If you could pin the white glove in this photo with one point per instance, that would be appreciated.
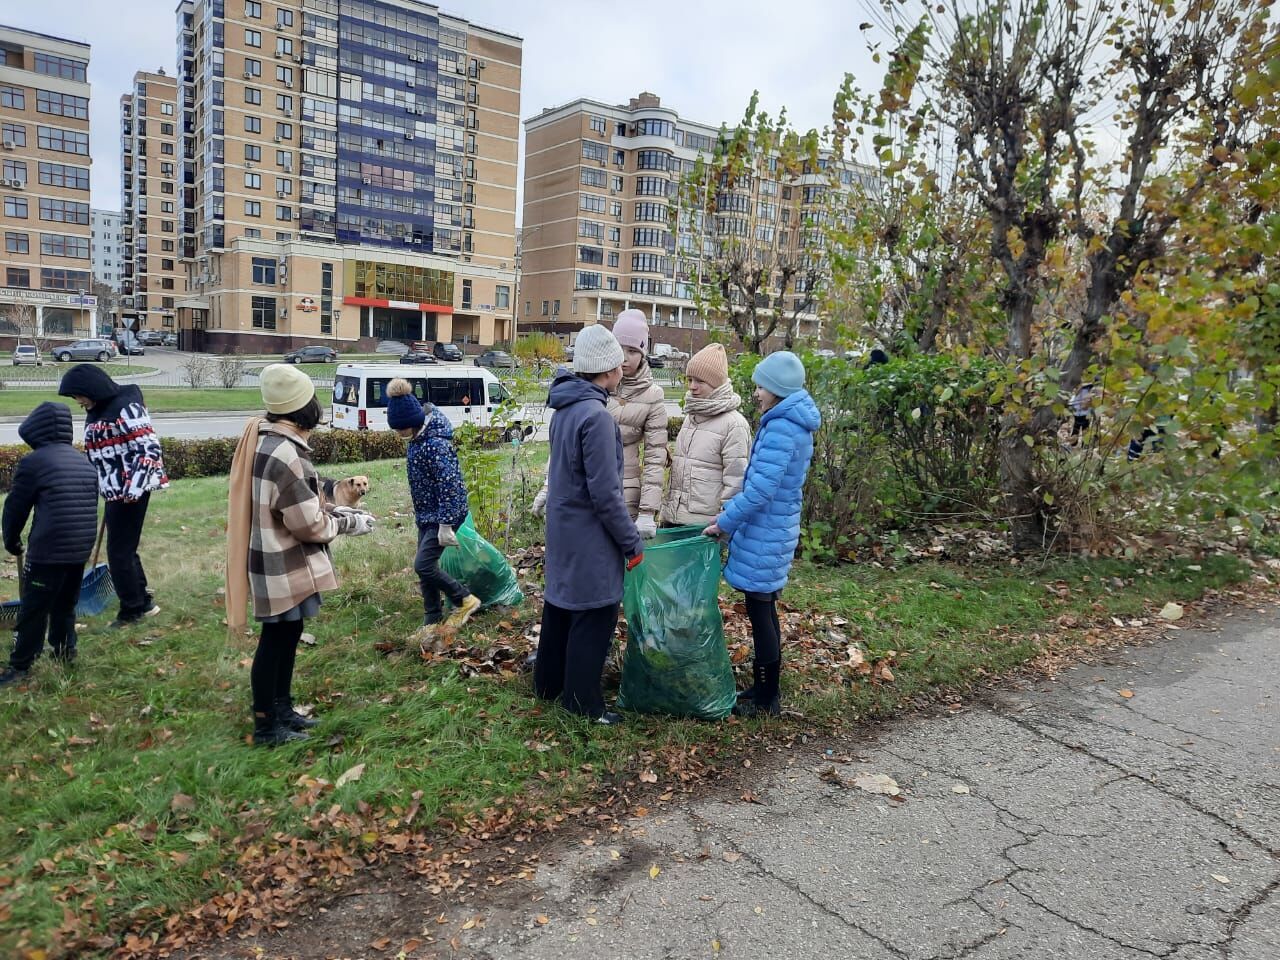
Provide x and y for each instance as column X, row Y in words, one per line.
column 647, row 526
column 358, row 523
column 540, row 502
column 348, row 511
column 445, row 536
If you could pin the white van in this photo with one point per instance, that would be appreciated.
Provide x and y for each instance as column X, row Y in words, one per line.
column 463, row 394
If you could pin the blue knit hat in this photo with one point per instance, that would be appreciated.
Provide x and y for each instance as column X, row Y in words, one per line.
column 403, row 408
column 781, row 373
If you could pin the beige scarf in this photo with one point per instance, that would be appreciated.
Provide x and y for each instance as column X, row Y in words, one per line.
column 239, row 525
column 722, row 399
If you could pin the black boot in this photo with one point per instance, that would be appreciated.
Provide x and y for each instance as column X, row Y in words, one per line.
column 757, row 681
column 267, row 732
column 766, row 699
column 291, row 718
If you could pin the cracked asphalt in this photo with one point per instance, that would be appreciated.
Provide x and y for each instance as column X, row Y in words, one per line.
column 1061, row 820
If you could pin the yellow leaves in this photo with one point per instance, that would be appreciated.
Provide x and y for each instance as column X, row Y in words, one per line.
column 542, row 919
column 654, row 870
column 1126, row 693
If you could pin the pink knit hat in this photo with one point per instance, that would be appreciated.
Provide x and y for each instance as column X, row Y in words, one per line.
column 631, row 329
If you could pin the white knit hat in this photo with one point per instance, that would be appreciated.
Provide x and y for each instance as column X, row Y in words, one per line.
column 285, row 388
column 596, row 351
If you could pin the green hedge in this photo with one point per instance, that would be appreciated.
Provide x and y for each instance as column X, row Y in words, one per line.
column 212, row 457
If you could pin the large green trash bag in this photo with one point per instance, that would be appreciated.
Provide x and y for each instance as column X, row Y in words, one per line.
column 480, row 567
column 676, row 660
column 668, row 534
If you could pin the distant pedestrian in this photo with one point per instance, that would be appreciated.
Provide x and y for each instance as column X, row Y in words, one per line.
column 591, row 537
column 278, row 536
column 122, row 445
column 763, row 521
column 439, row 498
column 711, row 449
column 61, row 486
column 1082, row 414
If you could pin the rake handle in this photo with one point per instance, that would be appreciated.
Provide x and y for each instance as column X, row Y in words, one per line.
column 97, row 546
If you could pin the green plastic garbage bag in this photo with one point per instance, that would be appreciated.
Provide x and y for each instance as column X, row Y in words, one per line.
column 676, row 661
column 480, row 567
column 668, row 534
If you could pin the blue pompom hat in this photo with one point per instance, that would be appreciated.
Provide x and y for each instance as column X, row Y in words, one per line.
column 403, row 408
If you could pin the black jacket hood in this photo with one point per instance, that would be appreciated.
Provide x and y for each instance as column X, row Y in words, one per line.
column 89, row 381
column 48, row 423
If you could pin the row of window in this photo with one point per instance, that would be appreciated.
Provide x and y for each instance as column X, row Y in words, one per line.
column 51, row 209
column 51, row 278
column 51, row 244
column 51, row 174
column 49, row 138
column 47, row 101
column 64, row 67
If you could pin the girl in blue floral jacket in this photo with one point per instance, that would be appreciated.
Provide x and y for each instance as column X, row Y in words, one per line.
column 439, row 498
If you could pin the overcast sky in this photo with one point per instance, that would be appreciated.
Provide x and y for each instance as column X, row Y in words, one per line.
column 704, row 62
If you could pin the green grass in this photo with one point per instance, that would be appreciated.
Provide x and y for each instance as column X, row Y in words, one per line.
column 94, row 755
column 159, row 400
column 53, row 371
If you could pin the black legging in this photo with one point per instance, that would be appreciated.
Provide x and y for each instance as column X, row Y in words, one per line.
column 766, row 631
column 271, row 676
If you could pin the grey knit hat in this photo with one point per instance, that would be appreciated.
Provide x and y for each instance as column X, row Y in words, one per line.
column 596, row 351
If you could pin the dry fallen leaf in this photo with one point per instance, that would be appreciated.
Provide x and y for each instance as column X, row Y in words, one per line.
column 654, row 871
column 1171, row 611
column 960, row 788
column 542, row 919
column 731, row 856
column 877, row 783
column 1127, row 694
column 352, row 775
column 1220, row 878
column 648, row 776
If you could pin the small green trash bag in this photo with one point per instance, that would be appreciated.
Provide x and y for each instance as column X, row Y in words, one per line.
column 676, row 661
column 480, row 567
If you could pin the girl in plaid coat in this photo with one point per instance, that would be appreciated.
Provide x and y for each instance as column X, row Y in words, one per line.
column 278, row 533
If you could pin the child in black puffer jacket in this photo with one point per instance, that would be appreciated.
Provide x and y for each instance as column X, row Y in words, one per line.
column 60, row 485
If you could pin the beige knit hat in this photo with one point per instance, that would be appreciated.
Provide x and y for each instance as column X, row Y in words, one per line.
column 285, row 388
column 710, row 365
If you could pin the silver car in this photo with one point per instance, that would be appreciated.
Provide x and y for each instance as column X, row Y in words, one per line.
column 100, row 350
column 27, row 353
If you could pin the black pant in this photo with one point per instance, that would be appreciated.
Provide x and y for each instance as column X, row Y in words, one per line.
column 571, row 654
column 124, row 530
column 49, row 597
column 766, row 631
column 431, row 579
column 271, row 675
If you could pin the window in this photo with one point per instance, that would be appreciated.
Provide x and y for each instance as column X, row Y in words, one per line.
column 655, row 128
column 593, row 177
column 15, row 207
column 166, row 264
column 55, row 278
column 62, row 104
column 63, row 211
column 252, row 152
column 501, row 297
column 166, row 186
column 466, row 294
column 253, row 95
column 285, row 75
column 253, row 9
column 14, row 133
column 284, row 131
column 252, row 208
column 598, row 124
column 652, row 211
column 166, row 109
column 284, row 47
column 14, row 170
column 616, row 184
column 284, row 18
column 652, row 186
column 592, row 203
column 15, row 98
column 253, row 233
column 284, row 102
column 594, row 151
column 17, row 277
column 615, row 208
column 17, row 243
column 649, row 237
column 586, row 280
column 326, row 298
column 555, row 308
column 573, row 305
column 284, row 185
column 284, row 213
column 166, row 129
column 252, row 67
column 252, row 124
column 648, row 263
column 61, row 245
column 545, row 308
column 166, row 206
column 264, row 313
column 613, row 258
column 264, row 271
column 284, row 159
column 63, row 141
column 253, row 181
column 615, row 234
column 63, row 67
column 652, row 160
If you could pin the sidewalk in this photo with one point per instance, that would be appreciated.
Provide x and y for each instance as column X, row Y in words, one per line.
column 1119, row 812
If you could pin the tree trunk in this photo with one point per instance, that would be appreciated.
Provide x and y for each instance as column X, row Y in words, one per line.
column 1026, row 522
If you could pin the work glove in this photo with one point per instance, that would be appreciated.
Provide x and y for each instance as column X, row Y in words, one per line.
column 647, row 526
column 635, row 561
column 356, row 523
column 446, row 536
column 540, row 502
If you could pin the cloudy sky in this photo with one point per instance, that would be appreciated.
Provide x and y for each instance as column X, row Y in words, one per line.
column 704, row 62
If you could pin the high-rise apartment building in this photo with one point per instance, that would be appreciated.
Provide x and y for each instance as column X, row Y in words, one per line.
column 154, row 277
column 600, row 184
column 106, row 244
column 45, row 265
column 348, row 173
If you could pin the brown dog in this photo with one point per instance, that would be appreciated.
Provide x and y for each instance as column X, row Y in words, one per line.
column 348, row 492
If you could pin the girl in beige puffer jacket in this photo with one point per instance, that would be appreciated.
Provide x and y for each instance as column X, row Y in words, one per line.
column 714, row 444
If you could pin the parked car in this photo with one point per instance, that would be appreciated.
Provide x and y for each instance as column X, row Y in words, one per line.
column 447, row 351
column 27, row 353
column 312, row 355
column 168, row 339
column 494, row 359
column 656, row 362
column 131, row 345
column 417, row 356
column 100, row 350
column 150, row 338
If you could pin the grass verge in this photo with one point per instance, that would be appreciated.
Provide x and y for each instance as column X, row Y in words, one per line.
column 52, row 372
column 130, row 793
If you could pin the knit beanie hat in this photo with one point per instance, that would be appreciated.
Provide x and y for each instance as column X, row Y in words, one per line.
column 710, row 365
column 285, row 388
column 781, row 373
column 596, row 351
column 632, row 330
column 403, row 408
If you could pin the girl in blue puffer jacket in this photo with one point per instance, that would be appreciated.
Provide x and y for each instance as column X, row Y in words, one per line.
column 763, row 521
